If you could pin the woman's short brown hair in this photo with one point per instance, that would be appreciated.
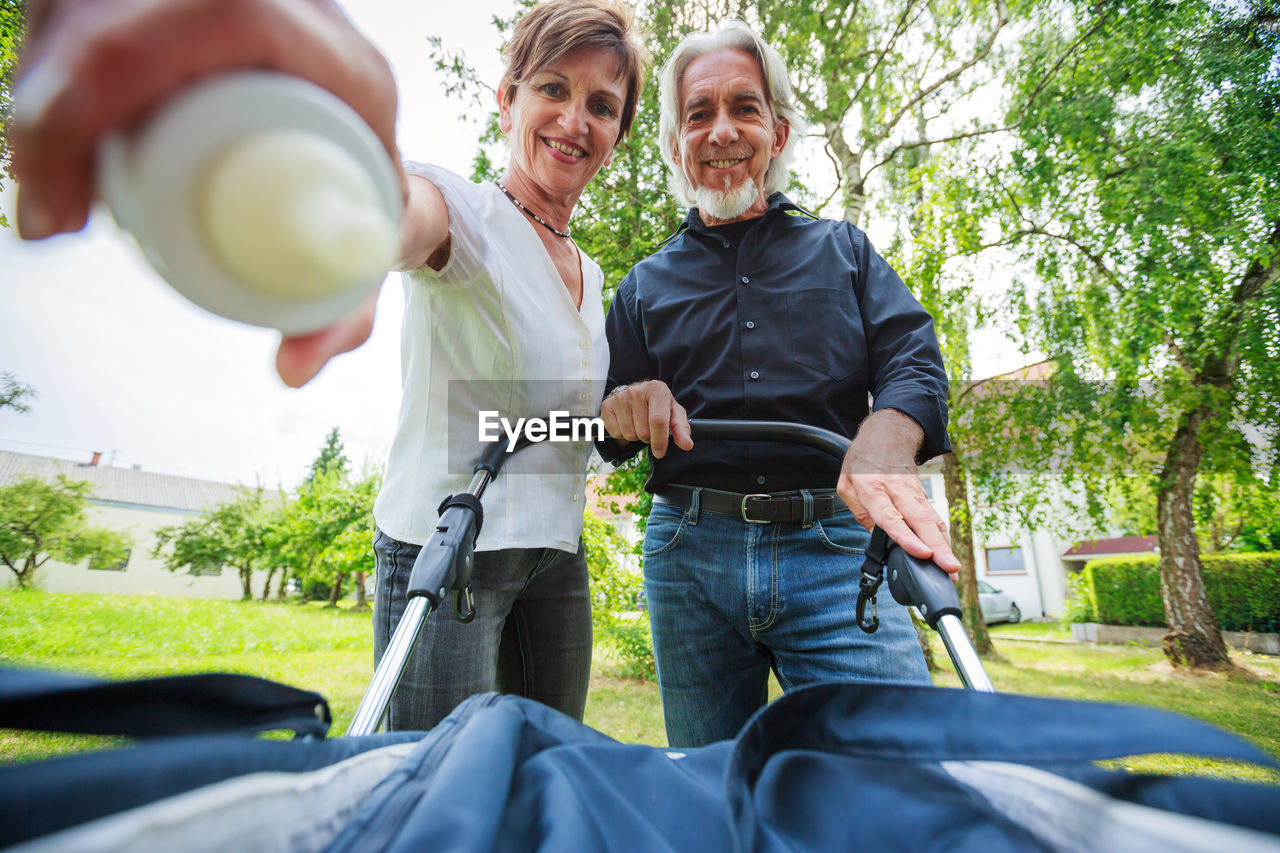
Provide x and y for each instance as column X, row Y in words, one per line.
column 553, row 29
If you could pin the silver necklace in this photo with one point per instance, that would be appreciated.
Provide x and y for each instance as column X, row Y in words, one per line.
column 536, row 218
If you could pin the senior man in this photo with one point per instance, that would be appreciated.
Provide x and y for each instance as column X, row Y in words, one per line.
column 758, row 310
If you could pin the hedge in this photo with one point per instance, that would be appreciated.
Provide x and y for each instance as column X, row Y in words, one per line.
column 1243, row 590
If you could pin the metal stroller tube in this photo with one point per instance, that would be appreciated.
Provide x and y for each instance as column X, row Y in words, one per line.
column 912, row 581
column 443, row 564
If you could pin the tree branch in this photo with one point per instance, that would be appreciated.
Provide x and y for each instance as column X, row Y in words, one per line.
column 1022, row 112
column 1250, row 288
column 1002, row 18
column 1099, row 264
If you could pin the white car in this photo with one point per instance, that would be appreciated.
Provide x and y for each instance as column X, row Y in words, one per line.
column 997, row 606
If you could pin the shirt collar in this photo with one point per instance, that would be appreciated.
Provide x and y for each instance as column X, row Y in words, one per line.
column 777, row 202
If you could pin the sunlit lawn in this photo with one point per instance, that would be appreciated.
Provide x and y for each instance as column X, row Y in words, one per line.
column 329, row 651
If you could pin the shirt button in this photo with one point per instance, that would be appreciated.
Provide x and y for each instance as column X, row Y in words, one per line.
column 746, row 280
column 751, row 324
column 583, row 397
column 585, row 362
column 585, row 380
column 724, row 243
column 755, row 374
column 581, row 345
column 576, row 497
column 760, row 480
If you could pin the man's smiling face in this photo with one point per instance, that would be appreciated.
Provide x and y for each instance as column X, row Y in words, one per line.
column 728, row 135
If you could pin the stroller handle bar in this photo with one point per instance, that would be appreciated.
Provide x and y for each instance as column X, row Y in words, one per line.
column 444, row 564
column 912, row 581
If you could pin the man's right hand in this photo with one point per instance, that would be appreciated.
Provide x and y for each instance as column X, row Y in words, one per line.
column 647, row 411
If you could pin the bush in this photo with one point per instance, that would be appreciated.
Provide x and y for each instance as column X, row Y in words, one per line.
column 1243, row 590
column 634, row 644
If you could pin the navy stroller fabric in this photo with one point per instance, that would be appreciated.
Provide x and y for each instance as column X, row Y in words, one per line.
column 830, row 767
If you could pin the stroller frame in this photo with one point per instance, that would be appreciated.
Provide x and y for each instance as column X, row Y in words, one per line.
column 444, row 564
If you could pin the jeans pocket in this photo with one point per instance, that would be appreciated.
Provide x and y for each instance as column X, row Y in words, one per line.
column 843, row 535
column 663, row 531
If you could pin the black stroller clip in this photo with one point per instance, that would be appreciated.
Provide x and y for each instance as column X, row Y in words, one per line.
column 872, row 577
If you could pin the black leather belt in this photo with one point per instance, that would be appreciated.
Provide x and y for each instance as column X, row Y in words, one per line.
column 755, row 508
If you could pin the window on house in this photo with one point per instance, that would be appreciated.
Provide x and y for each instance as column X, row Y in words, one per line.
column 927, row 483
column 1005, row 561
column 99, row 566
column 205, row 572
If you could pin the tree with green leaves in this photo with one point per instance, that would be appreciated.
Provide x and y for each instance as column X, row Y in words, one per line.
column 14, row 394
column 328, row 530
column 233, row 534
column 332, row 458
column 12, row 28
column 1145, row 190
column 42, row 520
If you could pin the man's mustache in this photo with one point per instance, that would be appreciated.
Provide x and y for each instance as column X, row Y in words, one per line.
column 728, row 154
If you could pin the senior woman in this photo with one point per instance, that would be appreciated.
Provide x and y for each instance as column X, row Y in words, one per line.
column 503, row 313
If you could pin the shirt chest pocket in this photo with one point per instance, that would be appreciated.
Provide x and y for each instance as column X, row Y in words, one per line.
column 826, row 331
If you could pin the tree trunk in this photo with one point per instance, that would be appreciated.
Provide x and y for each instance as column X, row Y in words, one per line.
column 266, row 585
column 1194, row 639
column 246, row 575
column 362, row 603
column 336, row 591
column 284, row 583
column 961, row 529
column 922, row 636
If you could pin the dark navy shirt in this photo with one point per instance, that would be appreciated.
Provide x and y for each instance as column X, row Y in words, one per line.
column 798, row 320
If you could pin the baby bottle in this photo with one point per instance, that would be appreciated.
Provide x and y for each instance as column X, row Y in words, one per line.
column 259, row 197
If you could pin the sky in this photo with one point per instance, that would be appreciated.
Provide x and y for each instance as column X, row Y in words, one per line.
column 124, row 366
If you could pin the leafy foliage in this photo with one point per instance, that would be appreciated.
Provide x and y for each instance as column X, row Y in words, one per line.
column 1243, row 589
column 42, row 520
column 232, row 534
column 13, row 393
column 615, row 590
column 12, row 29
column 332, row 458
column 321, row 535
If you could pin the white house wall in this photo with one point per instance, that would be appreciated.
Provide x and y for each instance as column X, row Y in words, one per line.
column 144, row 575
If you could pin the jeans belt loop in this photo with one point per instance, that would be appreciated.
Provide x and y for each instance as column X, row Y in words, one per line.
column 695, row 507
column 808, row 509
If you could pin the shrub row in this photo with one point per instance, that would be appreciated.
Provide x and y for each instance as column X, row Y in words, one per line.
column 1243, row 590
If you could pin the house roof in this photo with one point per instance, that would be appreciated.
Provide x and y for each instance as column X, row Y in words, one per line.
column 1113, row 547
column 122, row 485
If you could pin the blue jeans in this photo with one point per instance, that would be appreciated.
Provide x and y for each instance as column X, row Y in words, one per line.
column 531, row 635
column 729, row 600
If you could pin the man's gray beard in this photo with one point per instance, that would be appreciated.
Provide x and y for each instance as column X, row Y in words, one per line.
column 726, row 204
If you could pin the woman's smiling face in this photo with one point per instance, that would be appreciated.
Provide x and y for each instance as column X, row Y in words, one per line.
column 564, row 120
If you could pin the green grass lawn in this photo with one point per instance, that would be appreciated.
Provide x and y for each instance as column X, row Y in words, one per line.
column 329, row 651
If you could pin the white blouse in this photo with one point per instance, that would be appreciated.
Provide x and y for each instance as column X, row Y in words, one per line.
column 495, row 330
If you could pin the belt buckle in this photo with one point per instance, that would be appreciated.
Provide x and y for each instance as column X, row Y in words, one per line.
column 743, row 509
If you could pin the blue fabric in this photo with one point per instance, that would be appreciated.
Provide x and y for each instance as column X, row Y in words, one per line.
column 37, row 799
column 729, row 600
column 829, row 767
column 798, row 322
column 153, row 707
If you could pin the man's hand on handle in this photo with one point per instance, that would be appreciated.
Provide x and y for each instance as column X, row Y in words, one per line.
column 648, row 412
column 881, row 486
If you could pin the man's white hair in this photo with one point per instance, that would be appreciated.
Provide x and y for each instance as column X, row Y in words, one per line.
column 731, row 34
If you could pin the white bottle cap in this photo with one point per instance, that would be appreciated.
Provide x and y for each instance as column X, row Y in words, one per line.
column 259, row 197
